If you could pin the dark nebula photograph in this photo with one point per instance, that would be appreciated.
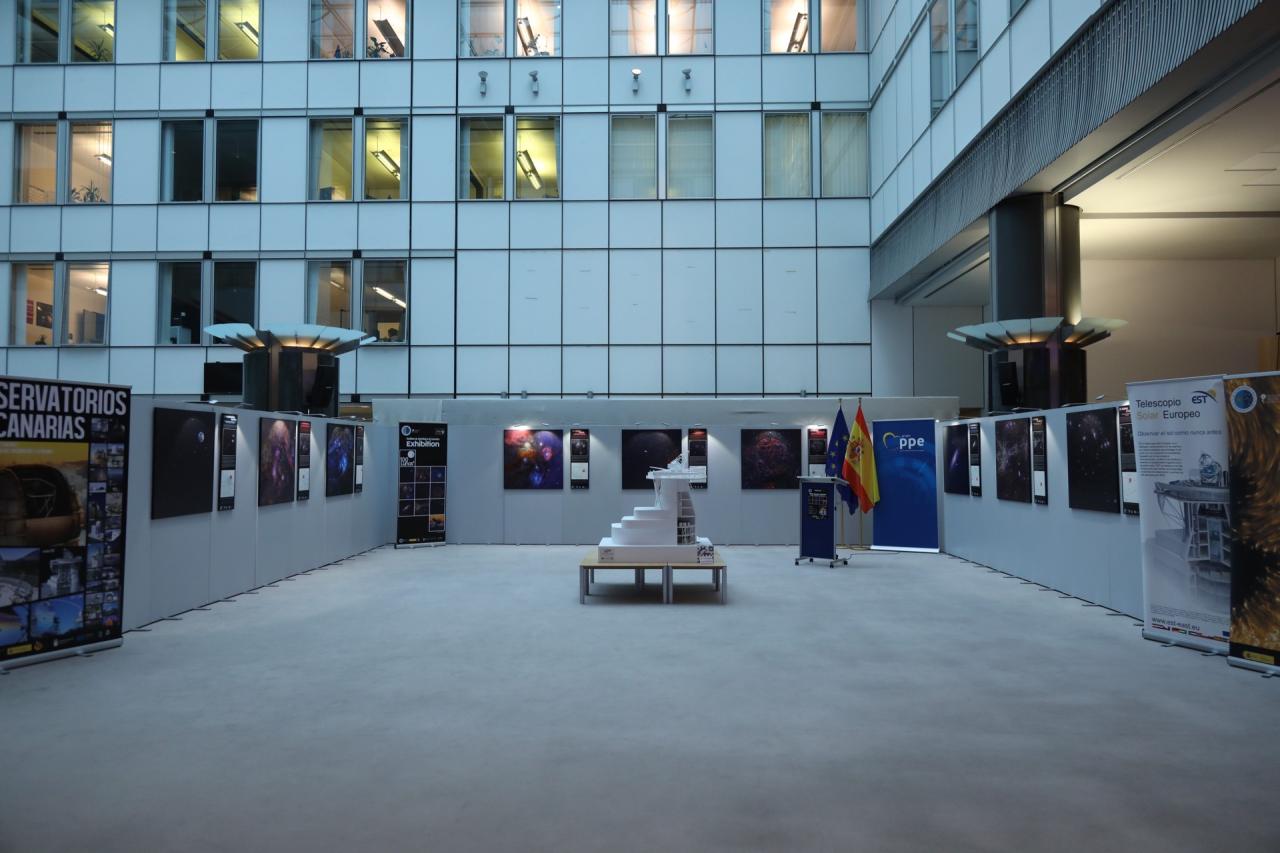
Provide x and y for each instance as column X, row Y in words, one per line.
column 771, row 458
column 181, row 463
column 339, row 460
column 1013, row 460
column 276, row 472
column 645, row 449
column 955, row 476
column 532, row 459
column 1093, row 461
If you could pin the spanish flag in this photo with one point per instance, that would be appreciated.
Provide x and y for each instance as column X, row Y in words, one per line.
column 860, row 464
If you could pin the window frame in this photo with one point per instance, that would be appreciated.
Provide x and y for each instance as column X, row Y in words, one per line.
column 953, row 55
column 22, row 12
column 64, row 294
column 311, row 301
column 206, row 154
column 666, row 178
column 515, row 30
column 406, row 151
column 67, row 146
column 822, row 150
column 55, row 294
column 658, row 29
column 69, row 30
column 515, row 151
column 358, row 299
column 211, row 161
column 658, row 180
column 666, row 32
column 500, row 117
column 206, row 284
column 764, row 153
column 58, row 161
column 313, row 163
column 766, row 35
column 212, row 35
column 209, row 294
column 504, row 52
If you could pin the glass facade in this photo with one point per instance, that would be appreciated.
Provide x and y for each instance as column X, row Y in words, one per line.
column 236, row 160
column 331, row 162
column 537, row 171
column 787, row 154
column 383, row 301
column 36, row 164
column 538, row 27
column 480, row 158
column 91, row 162
column 86, row 312
column 181, row 299
column 690, row 156
column 633, row 157
column 633, row 27
column 32, row 305
column 386, row 156
column 329, row 293
column 481, row 27
column 690, row 27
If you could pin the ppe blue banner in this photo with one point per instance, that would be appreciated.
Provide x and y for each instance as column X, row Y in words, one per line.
column 906, row 518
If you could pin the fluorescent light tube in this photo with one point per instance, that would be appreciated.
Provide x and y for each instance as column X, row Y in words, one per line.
column 249, row 30
column 109, row 29
column 799, row 32
column 387, row 162
column 525, row 162
column 386, row 294
column 104, row 158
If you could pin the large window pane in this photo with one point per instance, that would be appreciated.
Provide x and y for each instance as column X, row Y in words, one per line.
column 236, row 160
column 844, row 155
column 32, row 306
column 180, row 302
column 383, row 300
column 537, row 157
column 37, row 30
column 690, row 26
column 480, row 158
column 93, row 30
column 786, row 26
column 87, row 287
column 329, row 293
column 386, row 29
column 185, row 30
column 36, row 171
column 538, row 27
column 786, row 156
column 333, row 29
column 183, row 160
column 235, row 285
column 331, row 160
column 481, row 27
column 966, row 37
column 939, row 53
column 386, row 152
column 90, row 163
column 690, row 157
column 239, row 26
column 839, row 24
column 633, row 27
column 633, row 157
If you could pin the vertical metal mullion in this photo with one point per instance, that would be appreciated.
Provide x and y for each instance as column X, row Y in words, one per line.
column 357, row 158
column 60, row 295
column 209, row 162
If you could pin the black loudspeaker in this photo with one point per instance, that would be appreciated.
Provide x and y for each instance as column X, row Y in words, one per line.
column 1073, row 379
column 1007, row 382
column 1035, row 378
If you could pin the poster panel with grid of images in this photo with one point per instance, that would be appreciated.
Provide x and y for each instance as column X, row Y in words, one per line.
column 421, row 483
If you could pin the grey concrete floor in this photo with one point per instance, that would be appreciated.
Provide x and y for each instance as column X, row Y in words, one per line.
column 461, row 699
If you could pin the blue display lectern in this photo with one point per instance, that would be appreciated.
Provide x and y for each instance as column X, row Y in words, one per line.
column 819, row 506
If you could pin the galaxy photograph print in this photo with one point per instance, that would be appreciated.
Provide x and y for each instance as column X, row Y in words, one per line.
column 771, row 458
column 955, row 465
column 181, row 463
column 644, row 450
column 532, row 459
column 1093, row 461
column 276, row 471
column 1013, row 460
column 339, row 460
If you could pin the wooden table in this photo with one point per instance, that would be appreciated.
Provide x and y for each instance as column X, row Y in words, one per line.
column 591, row 562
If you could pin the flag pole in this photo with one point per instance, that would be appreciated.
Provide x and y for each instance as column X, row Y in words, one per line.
column 843, row 543
column 861, row 546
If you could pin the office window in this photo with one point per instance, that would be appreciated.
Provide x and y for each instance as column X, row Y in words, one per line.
column 36, row 166
column 537, row 157
column 690, row 26
column 690, row 157
column 236, row 160
column 183, row 160
column 633, row 27
column 185, row 30
column 180, row 300
column 838, row 26
column 480, row 158
column 333, row 29
column 786, row 156
column 386, row 153
column 37, row 31
column 383, row 301
column 966, row 37
column 93, row 30
column 329, row 293
column 844, row 155
column 386, row 29
column 481, row 27
column 940, row 80
column 32, row 307
column 331, row 159
column 538, row 27
column 239, row 28
column 235, row 297
column 633, row 157
column 786, row 26
column 87, row 288
column 90, row 163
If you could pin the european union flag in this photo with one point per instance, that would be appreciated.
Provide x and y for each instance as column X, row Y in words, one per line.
column 837, row 444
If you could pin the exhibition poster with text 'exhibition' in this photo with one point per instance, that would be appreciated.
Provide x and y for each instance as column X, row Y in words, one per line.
column 63, row 472
column 424, row 455
column 1180, row 439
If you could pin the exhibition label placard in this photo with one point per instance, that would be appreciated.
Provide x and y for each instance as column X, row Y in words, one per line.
column 1253, row 435
column 228, row 432
column 422, row 483
column 906, row 518
column 579, row 458
column 64, row 472
column 1180, row 486
column 304, row 460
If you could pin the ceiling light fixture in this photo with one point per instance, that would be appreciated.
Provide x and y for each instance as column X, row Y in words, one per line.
column 104, row 158
column 387, row 295
column 387, row 162
column 525, row 162
column 389, row 33
column 528, row 41
column 799, row 33
column 108, row 28
column 249, row 30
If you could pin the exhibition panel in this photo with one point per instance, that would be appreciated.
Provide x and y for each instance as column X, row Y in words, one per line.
column 1013, row 460
column 277, row 477
column 955, row 462
column 181, row 463
column 906, row 457
column 645, row 449
column 339, row 460
column 771, row 458
column 1093, row 460
column 533, row 459
column 422, row 483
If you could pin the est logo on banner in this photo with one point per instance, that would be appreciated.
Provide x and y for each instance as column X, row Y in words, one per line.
column 906, row 518
column 421, row 484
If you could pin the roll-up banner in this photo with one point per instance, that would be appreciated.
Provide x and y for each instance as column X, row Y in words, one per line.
column 64, row 468
column 422, row 483
column 1253, row 436
column 1181, row 492
column 906, row 518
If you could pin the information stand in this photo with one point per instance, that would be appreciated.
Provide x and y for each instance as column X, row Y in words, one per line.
column 819, row 505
